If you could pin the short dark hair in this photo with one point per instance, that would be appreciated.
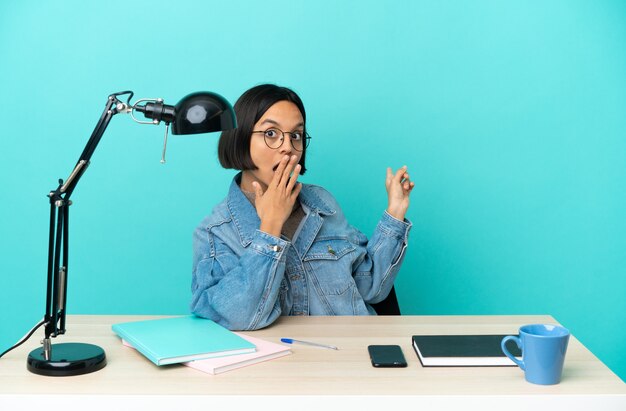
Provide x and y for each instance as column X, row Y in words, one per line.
column 234, row 146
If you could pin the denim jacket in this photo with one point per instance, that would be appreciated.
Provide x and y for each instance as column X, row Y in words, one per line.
column 244, row 279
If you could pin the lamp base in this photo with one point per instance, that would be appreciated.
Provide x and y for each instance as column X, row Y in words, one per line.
column 67, row 359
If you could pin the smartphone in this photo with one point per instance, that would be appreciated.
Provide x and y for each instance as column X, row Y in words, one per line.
column 386, row 356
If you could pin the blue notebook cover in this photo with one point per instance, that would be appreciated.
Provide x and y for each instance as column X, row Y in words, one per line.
column 181, row 339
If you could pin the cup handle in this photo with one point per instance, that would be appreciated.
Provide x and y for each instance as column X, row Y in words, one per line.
column 508, row 354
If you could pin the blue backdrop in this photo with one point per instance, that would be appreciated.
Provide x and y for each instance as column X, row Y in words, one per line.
column 510, row 116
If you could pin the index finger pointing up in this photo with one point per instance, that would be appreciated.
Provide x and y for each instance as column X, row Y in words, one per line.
column 400, row 173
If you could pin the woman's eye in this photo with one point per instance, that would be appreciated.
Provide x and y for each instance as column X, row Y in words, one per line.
column 271, row 133
column 296, row 135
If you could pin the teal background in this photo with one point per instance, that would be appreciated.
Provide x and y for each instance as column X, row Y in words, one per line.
column 510, row 115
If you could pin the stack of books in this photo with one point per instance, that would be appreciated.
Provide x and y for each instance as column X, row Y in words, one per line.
column 196, row 342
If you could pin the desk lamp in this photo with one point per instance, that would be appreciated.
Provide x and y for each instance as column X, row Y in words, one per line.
column 200, row 112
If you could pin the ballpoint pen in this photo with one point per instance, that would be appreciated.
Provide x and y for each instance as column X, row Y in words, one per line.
column 292, row 341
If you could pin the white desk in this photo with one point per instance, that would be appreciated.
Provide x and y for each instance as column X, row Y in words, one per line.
column 343, row 375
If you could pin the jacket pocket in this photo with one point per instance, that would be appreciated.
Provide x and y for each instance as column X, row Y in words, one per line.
column 329, row 263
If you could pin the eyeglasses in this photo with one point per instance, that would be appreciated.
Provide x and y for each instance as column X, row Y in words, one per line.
column 274, row 138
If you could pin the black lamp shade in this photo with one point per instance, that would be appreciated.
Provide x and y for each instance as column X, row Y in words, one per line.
column 203, row 112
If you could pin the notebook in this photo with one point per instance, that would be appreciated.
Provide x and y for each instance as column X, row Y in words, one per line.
column 265, row 351
column 463, row 350
column 181, row 339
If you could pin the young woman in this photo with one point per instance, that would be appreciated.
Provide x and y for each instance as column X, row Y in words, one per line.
column 277, row 247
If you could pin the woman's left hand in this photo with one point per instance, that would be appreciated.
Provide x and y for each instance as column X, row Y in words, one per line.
column 399, row 188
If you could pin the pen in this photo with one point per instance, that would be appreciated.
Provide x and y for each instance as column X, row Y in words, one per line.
column 292, row 341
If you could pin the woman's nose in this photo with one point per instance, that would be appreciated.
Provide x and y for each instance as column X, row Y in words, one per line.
column 286, row 147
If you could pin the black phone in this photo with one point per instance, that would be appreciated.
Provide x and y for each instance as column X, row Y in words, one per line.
column 386, row 356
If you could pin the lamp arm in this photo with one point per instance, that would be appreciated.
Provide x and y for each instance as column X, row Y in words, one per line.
column 113, row 107
column 55, row 312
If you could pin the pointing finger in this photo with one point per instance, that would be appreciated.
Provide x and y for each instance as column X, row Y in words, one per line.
column 398, row 176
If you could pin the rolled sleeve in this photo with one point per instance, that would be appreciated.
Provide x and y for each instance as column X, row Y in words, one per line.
column 393, row 227
column 269, row 245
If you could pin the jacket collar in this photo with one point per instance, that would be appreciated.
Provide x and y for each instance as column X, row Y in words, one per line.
column 246, row 219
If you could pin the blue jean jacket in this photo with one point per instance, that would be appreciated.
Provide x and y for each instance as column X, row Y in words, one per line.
column 244, row 279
